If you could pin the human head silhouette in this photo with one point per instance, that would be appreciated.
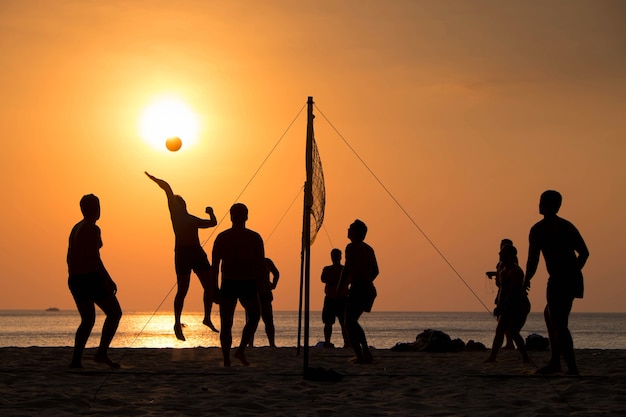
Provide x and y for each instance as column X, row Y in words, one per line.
column 335, row 255
column 505, row 241
column 357, row 230
column 238, row 213
column 508, row 253
column 90, row 206
column 550, row 203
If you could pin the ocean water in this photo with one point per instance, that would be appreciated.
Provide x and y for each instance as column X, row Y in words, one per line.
column 24, row 328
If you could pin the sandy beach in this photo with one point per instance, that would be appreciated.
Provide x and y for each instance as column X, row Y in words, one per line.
column 192, row 381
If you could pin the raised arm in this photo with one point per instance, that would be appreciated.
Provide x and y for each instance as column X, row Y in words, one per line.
column 163, row 184
column 211, row 222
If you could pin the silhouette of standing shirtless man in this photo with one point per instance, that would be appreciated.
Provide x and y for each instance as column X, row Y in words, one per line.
column 239, row 253
column 91, row 284
column 565, row 253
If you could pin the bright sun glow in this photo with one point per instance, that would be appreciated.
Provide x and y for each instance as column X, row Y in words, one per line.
column 169, row 117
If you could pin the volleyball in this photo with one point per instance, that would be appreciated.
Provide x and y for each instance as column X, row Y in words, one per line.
column 174, row 143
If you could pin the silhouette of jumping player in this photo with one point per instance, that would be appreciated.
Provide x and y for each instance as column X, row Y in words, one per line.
column 512, row 305
column 565, row 254
column 335, row 299
column 359, row 272
column 239, row 254
column 189, row 255
column 91, row 284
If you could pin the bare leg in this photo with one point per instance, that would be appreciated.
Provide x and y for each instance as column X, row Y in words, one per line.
column 87, row 312
column 559, row 313
column 209, row 295
column 267, row 313
column 509, row 341
column 253, row 312
column 498, row 338
column 111, row 307
column 341, row 317
column 328, row 332
column 344, row 333
column 179, row 301
column 251, row 343
column 357, row 335
column 227, row 312
column 555, row 355
column 521, row 346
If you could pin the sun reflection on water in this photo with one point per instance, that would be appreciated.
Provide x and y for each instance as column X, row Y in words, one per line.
column 157, row 331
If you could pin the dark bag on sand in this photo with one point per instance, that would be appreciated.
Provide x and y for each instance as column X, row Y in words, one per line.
column 434, row 341
column 537, row 342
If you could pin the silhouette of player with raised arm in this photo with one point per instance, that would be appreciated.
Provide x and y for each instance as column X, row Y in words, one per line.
column 189, row 255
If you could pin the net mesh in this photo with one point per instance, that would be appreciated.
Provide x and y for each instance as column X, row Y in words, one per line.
column 318, row 193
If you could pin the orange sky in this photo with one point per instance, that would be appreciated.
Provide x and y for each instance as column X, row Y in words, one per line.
column 465, row 111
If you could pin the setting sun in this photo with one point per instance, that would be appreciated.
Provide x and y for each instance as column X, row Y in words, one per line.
column 167, row 118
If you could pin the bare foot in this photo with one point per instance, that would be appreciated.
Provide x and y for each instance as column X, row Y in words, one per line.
column 209, row 324
column 76, row 365
column 100, row 358
column 178, row 330
column 239, row 355
column 490, row 359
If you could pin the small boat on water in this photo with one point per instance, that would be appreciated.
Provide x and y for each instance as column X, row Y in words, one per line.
column 52, row 309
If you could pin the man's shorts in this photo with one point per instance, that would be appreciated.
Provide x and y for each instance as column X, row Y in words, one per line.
column 88, row 287
column 334, row 308
column 238, row 289
column 190, row 258
column 362, row 297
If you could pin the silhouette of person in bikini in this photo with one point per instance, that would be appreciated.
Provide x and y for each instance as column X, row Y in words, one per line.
column 495, row 275
column 512, row 305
